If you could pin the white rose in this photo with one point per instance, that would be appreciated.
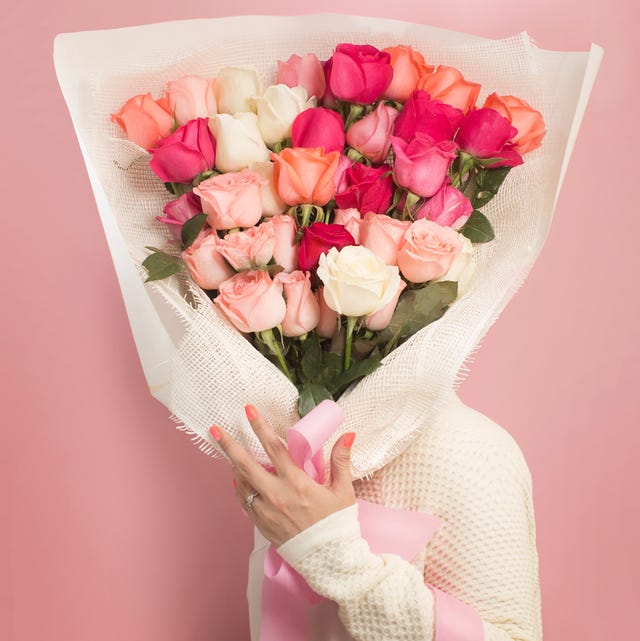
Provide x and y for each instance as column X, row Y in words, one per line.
column 277, row 109
column 356, row 281
column 462, row 267
column 235, row 88
column 238, row 141
column 271, row 203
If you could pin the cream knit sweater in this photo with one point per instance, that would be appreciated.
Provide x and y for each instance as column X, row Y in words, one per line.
column 470, row 472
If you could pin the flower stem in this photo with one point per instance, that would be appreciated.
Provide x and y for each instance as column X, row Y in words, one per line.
column 351, row 323
column 270, row 341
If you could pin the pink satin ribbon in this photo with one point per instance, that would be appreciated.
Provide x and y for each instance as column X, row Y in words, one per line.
column 387, row 530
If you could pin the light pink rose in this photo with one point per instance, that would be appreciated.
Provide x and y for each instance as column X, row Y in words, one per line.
column 252, row 301
column 250, row 248
column 371, row 136
column 383, row 235
column 303, row 310
column 205, row 263
column 285, row 252
column 380, row 319
column 448, row 207
column 305, row 71
column 340, row 178
column 427, row 251
column 351, row 219
column 191, row 97
column 328, row 324
column 232, row 199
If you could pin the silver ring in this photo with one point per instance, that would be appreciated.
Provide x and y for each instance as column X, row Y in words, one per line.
column 251, row 497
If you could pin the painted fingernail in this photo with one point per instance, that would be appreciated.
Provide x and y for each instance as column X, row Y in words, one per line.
column 215, row 432
column 251, row 412
column 348, row 438
column 235, row 484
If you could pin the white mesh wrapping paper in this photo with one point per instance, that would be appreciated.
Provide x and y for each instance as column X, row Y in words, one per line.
column 211, row 370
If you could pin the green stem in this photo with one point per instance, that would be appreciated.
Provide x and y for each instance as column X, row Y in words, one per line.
column 270, row 341
column 305, row 211
column 351, row 323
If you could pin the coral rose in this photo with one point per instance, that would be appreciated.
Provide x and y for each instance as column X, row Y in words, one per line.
column 144, row 120
column 448, row 85
column 408, row 67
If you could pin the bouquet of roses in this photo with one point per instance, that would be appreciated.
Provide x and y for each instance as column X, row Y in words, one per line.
column 331, row 215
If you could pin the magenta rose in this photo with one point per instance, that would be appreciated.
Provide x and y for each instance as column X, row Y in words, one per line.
column 187, row 152
column 358, row 73
column 421, row 165
column 177, row 212
column 371, row 135
column 448, row 207
column 431, row 117
column 318, row 127
column 318, row 239
column 484, row 133
column 366, row 189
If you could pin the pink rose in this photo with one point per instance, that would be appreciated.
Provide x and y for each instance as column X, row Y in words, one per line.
column 305, row 71
column 318, row 127
column 232, row 199
column 367, row 189
column 420, row 113
column 358, row 73
column 328, row 323
column 340, row 178
column 184, row 154
column 145, row 121
column 380, row 319
column 191, row 97
column 421, row 165
column 250, row 248
column 427, row 251
column 351, row 220
column 205, row 263
column 383, row 235
column 448, row 207
column 252, row 301
column 303, row 310
column 177, row 212
column 371, row 135
column 285, row 252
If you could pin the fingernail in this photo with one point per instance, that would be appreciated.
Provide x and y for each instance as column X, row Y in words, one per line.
column 215, row 432
column 235, row 484
column 348, row 438
column 251, row 412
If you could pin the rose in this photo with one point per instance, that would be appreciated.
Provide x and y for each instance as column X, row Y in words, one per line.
column 358, row 73
column 285, row 252
column 484, row 133
column 462, row 268
column 318, row 127
column 277, row 109
column 271, row 202
column 231, row 199
column 527, row 120
column 184, row 154
column 381, row 319
column 448, row 85
column 238, row 141
column 235, row 89
column 351, row 220
column 305, row 71
column 421, row 165
column 250, row 248
column 303, row 310
column 420, row 113
column 367, row 189
column 408, row 67
column 144, row 121
column 191, row 97
column 371, row 135
column 179, row 211
column 252, row 301
column 340, row 178
column 205, row 263
column 383, row 236
column 305, row 175
column 448, row 207
column 318, row 239
column 427, row 251
column 328, row 324
column 356, row 281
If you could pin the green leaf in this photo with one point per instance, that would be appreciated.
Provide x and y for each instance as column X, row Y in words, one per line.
column 488, row 183
column 478, row 228
column 331, row 368
column 356, row 371
column 311, row 361
column 160, row 265
column 191, row 229
column 311, row 395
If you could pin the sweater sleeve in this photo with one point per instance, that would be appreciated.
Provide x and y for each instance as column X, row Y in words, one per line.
column 383, row 597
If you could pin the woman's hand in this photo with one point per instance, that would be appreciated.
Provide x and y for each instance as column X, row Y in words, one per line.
column 289, row 500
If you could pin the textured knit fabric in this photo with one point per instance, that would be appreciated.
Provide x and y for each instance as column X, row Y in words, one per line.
column 471, row 473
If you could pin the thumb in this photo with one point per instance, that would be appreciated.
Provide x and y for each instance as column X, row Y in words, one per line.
column 341, row 463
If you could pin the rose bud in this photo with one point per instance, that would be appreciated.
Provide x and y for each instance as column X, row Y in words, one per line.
column 305, row 176
column 303, row 310
column 252, row 301
column 448, row 207
column 238, row 141
column 371, row 135
column 205, row 263
column 184, row 154
column 383, row 236
column 340, row 178
column 448, row 85
column 232, row 199
column 305, row 71
column 235, row 89
column 379, row 320
column 484, row 133
column 277, row 109
column 177, row 212
column 462, row 268
column 191, row 97
column 271, row 202
column 427, row 251
column 421, row 165
column 358, row 73
column 421, row 114
column 368, row 189
column 285, row 252
column 318, row 239
column 408, row 67
column 319, row 127
column 250, row 248
column 144, row 120
column 527, row 120
column 351, row 220
column 328, row 324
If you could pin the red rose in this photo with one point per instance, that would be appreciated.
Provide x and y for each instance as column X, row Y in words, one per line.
column 366, row 189
column 318, row 239
column 431, row 117
column 318, row 127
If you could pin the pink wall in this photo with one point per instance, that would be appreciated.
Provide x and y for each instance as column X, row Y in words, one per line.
column 118, row 528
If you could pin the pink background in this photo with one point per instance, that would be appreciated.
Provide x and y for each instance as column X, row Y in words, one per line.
column 118, row 528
